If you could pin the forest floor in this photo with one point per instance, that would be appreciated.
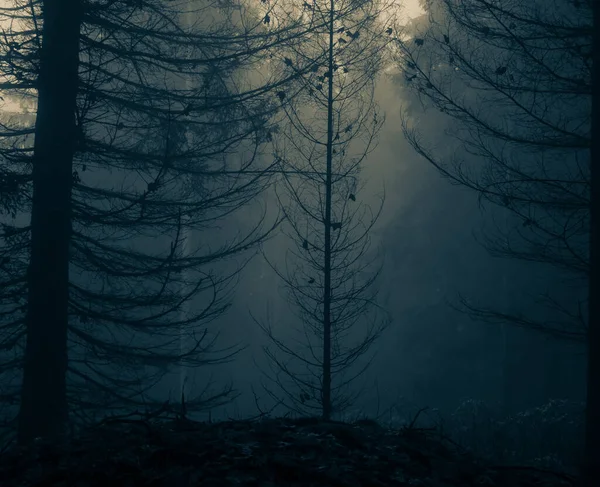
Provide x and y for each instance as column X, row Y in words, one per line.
column 262, row 453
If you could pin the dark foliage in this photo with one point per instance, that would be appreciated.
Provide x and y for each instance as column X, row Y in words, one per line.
column 304, row 452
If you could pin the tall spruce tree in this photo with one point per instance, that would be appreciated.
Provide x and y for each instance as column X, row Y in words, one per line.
column 147, row 130
column 517, row 81
column 329, row 274
column 529, row 155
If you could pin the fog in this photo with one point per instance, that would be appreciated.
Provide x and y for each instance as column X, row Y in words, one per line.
column 432, row 355
column 428, row 236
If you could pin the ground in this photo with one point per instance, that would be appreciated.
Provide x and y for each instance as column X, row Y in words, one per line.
column 274, row 452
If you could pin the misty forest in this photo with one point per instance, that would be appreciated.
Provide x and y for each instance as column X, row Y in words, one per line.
column 299, row 243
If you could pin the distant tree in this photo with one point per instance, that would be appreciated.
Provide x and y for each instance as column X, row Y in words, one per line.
column 329, row 275
column 592, row 419
column 519, row 78
column 139, row 114
column 516, row 81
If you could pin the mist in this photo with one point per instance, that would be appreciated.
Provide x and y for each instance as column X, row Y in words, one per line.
column 433, row 357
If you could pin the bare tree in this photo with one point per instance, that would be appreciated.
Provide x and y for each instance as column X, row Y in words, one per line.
column 124, row 162
column 329, row 274
column 519, row 78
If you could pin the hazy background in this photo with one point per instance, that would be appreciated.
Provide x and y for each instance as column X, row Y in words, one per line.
column 431, row 355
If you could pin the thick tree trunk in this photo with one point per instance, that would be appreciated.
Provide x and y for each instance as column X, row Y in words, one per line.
column 592, row 441
column 44, row 410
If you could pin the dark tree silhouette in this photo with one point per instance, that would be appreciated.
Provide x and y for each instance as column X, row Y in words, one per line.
column 516, row 82
column 328, row 273
column 519, row 78
column 592, row 431
column 147, row 135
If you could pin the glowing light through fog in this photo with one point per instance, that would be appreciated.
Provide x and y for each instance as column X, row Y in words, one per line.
column 405, row 11
column 408, row 9
column 9, row 104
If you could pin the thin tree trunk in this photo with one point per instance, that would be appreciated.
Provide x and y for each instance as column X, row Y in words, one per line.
column 326, row 392
column 44, row 408
column 592, row 440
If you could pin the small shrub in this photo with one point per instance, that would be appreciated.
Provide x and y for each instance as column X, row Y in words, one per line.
column 549, row 436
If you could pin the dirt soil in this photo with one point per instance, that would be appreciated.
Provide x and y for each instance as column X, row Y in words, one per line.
column 264, row 453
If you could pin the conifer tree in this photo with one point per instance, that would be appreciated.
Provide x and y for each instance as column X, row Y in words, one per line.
column 330, row 276
column 147, row 131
